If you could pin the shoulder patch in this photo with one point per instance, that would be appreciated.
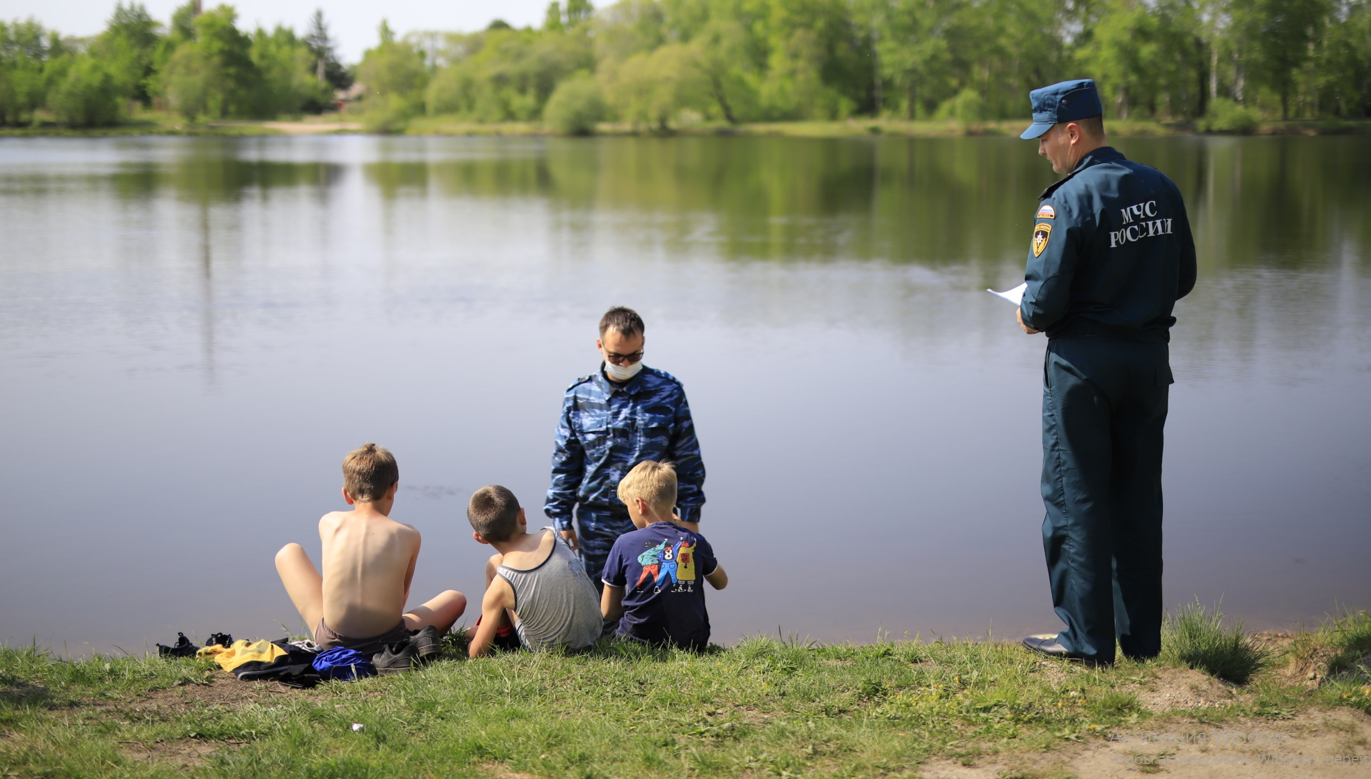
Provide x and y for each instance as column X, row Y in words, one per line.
column 1041, row 232
column 1046, row 212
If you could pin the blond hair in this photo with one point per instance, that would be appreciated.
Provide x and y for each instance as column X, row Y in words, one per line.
column 652, row 481
column 368, row 471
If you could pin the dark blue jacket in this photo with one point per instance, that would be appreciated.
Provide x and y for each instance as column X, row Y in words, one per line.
column 605, row 430
column 1111, row 253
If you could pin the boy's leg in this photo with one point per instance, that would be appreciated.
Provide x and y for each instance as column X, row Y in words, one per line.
column 303, row 584
column 440, row 612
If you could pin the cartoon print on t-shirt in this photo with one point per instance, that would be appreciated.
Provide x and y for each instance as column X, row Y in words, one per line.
column 649, row 561
column 668, row 558
column 685, row 563
column 669, row 565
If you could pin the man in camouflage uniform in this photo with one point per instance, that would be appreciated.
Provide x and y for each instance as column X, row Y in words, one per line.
column 612, row 420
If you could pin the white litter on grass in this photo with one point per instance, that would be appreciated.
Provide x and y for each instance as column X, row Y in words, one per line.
column 358, row 727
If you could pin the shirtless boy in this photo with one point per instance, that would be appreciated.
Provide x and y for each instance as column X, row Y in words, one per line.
column 534, row 582
column 359, row 602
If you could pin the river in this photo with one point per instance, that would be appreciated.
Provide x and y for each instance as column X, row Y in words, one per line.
column 194, row 331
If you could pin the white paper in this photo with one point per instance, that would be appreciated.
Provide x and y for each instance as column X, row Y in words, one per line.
column 1014, row 296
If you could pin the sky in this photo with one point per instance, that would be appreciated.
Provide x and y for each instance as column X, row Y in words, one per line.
column 352, row 23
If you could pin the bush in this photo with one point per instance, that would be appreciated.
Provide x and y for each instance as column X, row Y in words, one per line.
column 965, row 108
column 86, row 96
column 575, row 106
column 386, row 114
column 1226, row 116
column 1196, row 637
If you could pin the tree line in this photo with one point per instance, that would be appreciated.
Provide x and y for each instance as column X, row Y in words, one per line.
column 200, row 65
column 655, row 63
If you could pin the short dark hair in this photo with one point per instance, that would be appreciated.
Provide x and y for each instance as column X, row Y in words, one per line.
column 494, row 513
column 368, row 471
column 1093, row 125
column 624, row 321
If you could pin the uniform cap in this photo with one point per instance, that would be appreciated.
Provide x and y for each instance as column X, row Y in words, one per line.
column 1064, row 102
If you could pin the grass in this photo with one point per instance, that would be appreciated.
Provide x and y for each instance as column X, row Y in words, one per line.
column 765, row 707
column 1196, row 637
column 147, row 122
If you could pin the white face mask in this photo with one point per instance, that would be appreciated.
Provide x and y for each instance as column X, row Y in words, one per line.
column 622, row 372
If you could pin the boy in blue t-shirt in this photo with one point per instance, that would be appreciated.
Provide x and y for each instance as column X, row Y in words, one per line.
column 652, row 577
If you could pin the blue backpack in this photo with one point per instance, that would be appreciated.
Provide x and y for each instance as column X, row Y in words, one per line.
column 344, row 664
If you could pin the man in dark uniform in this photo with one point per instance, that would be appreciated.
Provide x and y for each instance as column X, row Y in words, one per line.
column 1111, row 253
column 612, row 420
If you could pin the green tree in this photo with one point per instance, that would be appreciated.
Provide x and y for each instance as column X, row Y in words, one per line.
column 914, row 63
column 719, row 52
column 505, row 74
column 395, row 79
column 1280, row 37
column 212, row 73
column 86, row 95
column 128, row 47
column 321, row 46
column 25, row 48
column 289, row 74
column 1337, row 79
column 1123, row 56
column 651, row 89
column 575, row 106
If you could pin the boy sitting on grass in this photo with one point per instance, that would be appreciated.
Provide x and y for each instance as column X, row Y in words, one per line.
column 660, row 565
column 368, row 560
column 534, row 582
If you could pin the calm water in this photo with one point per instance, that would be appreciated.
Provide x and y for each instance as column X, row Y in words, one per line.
column 194, row 331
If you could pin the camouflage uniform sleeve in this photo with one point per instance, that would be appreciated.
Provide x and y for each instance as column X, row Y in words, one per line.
column 568, row 469
column 684, row 451
column 1051, row 268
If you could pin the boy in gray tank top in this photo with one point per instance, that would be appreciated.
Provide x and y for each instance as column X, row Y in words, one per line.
column 534, row 582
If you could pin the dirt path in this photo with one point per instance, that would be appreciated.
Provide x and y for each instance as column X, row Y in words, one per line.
column 1313, row 744
column 297, row 128
column 313, row 128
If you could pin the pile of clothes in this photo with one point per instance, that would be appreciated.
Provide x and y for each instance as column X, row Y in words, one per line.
column 303, row 663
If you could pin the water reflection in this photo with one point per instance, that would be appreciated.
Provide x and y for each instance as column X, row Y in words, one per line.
column 241, row 311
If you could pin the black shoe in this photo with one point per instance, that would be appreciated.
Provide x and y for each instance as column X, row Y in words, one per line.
column 222, row 639
column 396, row 658
column 427, row 643
column 1048, row 645
column 182, row 648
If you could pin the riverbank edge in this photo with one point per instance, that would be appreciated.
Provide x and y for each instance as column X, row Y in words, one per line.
column 968, row 708
column 448, row 126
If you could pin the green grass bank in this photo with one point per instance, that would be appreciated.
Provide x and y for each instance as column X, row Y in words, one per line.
column 158, row 123
column 765, row 707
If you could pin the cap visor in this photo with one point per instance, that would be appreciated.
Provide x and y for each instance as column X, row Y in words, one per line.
column 1036, row 129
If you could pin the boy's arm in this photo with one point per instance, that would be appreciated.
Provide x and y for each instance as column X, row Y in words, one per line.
column 568, row 469
column 717, row 577
column 612, row 602
column 498, row 598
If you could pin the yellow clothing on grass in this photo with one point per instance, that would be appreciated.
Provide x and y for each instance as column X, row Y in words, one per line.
column 241, row 652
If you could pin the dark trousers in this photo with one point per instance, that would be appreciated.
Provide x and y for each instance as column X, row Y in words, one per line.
column 596, row 532
column 1104, row 407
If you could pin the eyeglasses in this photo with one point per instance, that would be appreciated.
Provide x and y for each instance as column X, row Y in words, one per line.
column 624, row 359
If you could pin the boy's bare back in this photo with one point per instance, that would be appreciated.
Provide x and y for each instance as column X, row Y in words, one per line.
column 368, row 563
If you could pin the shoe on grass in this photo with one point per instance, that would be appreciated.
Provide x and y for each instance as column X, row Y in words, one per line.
column 1049, row 646
column 396, row 658
column 427, row 643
